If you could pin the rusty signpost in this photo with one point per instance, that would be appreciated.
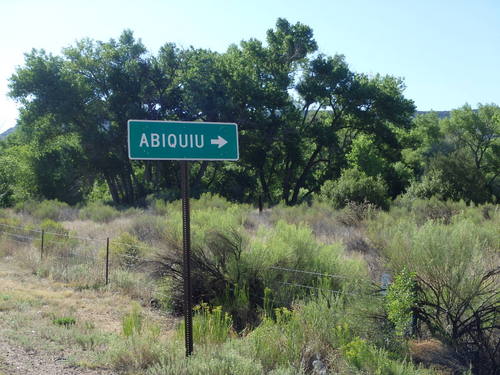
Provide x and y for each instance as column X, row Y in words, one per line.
column 183, row 141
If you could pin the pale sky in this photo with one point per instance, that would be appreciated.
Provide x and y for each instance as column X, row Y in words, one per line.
column 447, row 51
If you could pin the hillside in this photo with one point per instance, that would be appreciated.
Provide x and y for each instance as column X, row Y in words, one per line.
column 7, row 132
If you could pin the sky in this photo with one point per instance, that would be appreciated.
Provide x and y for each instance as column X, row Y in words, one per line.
column 447, row 51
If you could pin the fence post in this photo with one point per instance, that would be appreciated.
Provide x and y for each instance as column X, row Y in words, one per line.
column 41, row 247
column 107, row 260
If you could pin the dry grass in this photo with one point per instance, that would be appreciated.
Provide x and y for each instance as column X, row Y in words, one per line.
column 433, row 353
column 29, row 304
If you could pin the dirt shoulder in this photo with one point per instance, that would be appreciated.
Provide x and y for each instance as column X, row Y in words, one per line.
column 34, row 341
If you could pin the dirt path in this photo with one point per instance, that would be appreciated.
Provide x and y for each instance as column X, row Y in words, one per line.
column 30, row 342
column 17, row 361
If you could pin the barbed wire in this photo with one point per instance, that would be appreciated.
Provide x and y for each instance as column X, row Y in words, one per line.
column 96, row 259
column 22, row 228
column 68, row 236
column 315, row 288
column 17, row 235
column 308, row 272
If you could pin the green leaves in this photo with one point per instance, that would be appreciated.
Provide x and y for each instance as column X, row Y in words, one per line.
column 401, row 300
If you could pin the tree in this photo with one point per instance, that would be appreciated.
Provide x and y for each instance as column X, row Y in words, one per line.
column 476, row 136
column 298, row 116
column 457, row 157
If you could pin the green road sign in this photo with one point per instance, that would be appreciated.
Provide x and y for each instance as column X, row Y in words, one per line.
column 178, row 140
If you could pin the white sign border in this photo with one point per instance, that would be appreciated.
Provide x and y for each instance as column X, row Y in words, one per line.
column 185, row 122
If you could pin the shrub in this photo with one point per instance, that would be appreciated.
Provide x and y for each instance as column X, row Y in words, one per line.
column 355, row 186
column 212, row 266
column 98, row 212
column 127, row 250
column 369, row 359
column 401, row 299
column 57, row 240
column 48, row 209
column 141, row 347
column 457, row 274
column 158, row 206
column 276, row 343
column 148, row 228
column 289, row 260
column 136, row 285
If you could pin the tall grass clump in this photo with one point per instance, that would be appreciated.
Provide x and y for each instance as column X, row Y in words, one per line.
column 211, row 325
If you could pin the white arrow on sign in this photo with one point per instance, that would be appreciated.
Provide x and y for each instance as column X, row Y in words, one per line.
column 219, row 141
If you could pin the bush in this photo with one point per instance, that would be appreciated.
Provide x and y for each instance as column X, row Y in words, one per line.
column 401, row 299
column 430, row 209
column 456, row 267
column 280, row 254
column 355, row 186
column 48, row 209
column 98, row 212
column 57, row 241
column 148, row 228
column 127, row 250
column 133, row 284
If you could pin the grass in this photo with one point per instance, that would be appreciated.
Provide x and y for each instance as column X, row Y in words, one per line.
column 256, row 323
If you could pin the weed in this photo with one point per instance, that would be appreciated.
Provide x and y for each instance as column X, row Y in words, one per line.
column 132, row 322
column 64, row 321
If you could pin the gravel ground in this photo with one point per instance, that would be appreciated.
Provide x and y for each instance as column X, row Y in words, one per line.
column 16, row 361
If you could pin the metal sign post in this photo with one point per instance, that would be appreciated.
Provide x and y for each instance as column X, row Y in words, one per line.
column 186, row 244
column 180, row 140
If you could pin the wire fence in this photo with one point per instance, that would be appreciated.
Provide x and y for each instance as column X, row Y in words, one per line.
column 74, row 251
column 71, row 250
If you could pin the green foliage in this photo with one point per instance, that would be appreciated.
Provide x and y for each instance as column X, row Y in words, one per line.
column 277, row 343
column 455, row 264
column 288, row 246
column 48, row 209
column 65, row 321
column 365, row 157
column 127, row 250
column 98, row 212
column 401, row 299
column 132, row 322
column 211, row 325
column 54, row 227
column 99, row 192
column 17, row 180
column 140, row 349
column 355, row 186
column 296, row 113
column 457, row 157
column 369, row 359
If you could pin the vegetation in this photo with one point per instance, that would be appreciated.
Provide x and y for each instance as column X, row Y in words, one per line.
column 279, row 293
column 350, row 185
column 307, row 122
